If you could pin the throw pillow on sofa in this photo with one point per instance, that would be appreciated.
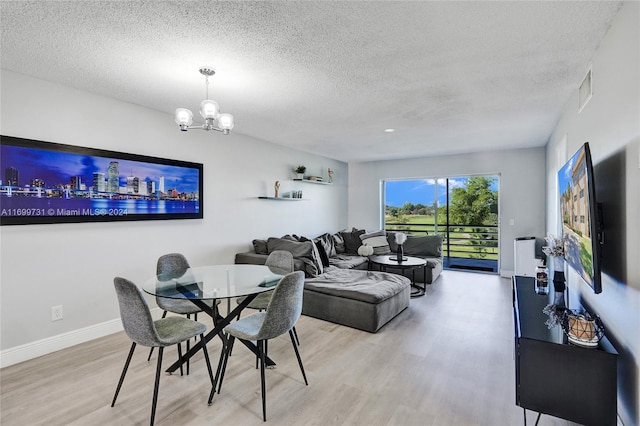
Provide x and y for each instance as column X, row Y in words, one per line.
column 378, row 241
column 306, row 251
column 260, row 246
column 352, row 241
column 338, row 242
column 327, row 242
column 326, row 249
column 321, row 251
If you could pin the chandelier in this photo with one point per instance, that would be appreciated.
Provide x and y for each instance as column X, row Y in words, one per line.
column 209, row 110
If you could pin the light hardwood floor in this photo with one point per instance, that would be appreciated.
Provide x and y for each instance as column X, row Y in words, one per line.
column 446, row 360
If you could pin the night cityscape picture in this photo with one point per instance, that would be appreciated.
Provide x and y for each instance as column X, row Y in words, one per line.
column 43, row 182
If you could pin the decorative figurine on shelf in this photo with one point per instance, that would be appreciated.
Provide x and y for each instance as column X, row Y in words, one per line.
column 330, row 175
column 276, row 187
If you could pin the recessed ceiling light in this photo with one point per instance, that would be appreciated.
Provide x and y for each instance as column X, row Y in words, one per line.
column 389, row 130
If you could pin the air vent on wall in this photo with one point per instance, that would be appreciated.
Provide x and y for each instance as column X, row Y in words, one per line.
column 585, row 91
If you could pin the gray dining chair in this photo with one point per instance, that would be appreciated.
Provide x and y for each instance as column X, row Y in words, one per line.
column 282, row 313
column 279, row 262
column 170, row 266
column 143, row 330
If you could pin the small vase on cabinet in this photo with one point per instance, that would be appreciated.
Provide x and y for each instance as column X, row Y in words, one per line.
column 559, row 285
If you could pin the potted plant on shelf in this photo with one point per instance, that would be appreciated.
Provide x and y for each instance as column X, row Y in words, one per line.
column 299, row 171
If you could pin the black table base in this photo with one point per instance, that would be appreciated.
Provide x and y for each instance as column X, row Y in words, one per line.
column 219, row 323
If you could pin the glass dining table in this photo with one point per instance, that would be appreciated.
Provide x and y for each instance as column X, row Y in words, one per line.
column 206, row 284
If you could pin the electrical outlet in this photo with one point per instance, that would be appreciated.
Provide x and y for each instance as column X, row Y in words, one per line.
column 56, row 313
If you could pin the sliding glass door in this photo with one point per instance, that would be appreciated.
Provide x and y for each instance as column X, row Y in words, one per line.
column 464, row 210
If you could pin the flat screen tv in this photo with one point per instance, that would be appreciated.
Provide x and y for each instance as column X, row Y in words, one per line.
column 581, row 221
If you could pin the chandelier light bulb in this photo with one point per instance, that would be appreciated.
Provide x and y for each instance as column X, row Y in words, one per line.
column 225, row 121
column 184, row 117
column 209, row 109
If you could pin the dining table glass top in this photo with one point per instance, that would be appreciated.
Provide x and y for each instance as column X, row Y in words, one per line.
column 214, row 282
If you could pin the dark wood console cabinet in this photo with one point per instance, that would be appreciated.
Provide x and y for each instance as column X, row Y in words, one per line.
column 554, row 377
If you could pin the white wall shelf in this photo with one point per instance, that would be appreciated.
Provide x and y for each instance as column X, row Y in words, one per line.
column 317, row 182
column 283, row 199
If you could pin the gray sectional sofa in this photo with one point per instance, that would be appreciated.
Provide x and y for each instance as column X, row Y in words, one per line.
column 338, row 286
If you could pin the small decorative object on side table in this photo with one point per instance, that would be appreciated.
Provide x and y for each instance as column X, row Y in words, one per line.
column 365, row 251
column 582, row 328
column 276, row 188
column 555, row 251
column 400, row 240
column 542, row 280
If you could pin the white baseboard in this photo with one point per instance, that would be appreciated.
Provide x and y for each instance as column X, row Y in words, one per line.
column 61, row 341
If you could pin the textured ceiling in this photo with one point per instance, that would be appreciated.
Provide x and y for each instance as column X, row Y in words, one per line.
column 326, row 77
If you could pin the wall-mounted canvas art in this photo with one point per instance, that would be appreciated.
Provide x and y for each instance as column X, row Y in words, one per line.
column 44, row 182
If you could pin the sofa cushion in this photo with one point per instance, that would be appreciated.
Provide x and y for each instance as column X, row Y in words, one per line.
column 352, row 240
column 366, row 286
column 252, row 258
column 306, row 251
column 260, row 247
column 348, row 261
column 377, row 240
column 424, row 245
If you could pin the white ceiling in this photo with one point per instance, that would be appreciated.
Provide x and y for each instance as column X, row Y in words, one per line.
column 326, row 77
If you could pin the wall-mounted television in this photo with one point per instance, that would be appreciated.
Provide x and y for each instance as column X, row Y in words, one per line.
column 581, row 217
column 43, row 182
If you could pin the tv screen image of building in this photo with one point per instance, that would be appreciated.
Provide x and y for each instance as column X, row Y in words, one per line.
column 580, row 224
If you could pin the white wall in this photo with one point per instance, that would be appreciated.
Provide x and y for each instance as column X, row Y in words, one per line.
column 610, row 122
column 522, row 189
column 74, row 264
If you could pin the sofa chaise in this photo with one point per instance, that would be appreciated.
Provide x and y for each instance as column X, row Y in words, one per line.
column 342, row 291
column 339, row 287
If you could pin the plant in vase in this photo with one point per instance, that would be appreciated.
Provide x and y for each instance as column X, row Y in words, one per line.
column 556, row 315
column 299, row 171
column 555, row 252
